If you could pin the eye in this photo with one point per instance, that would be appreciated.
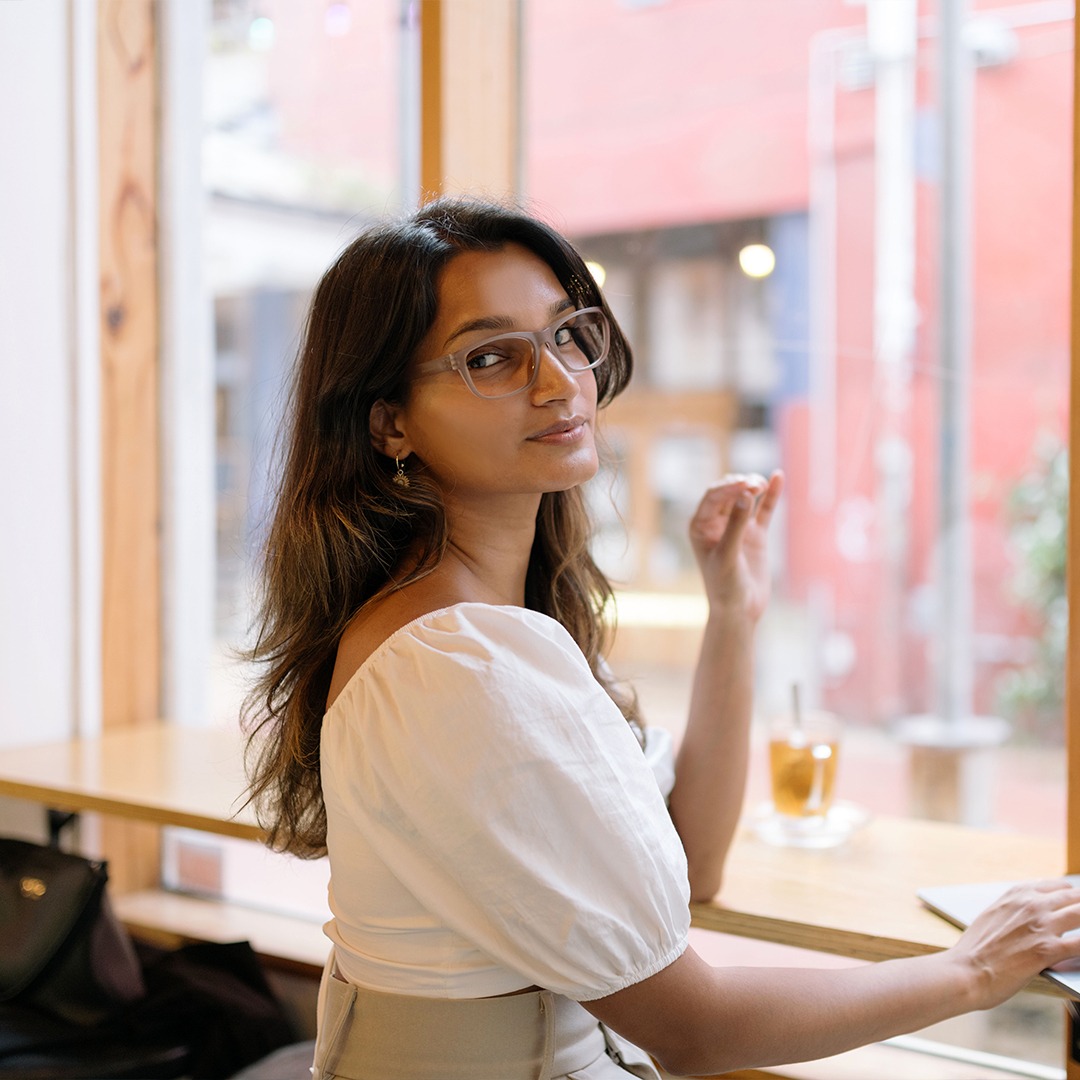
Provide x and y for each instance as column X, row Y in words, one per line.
column 564, row 336
column 487, row 358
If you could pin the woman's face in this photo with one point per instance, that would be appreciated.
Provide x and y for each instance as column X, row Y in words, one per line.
column 536, row 441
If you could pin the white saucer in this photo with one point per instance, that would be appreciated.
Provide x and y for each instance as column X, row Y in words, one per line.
column 843, row 819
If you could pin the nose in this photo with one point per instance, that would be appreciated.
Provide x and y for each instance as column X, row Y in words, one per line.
column 553, row 380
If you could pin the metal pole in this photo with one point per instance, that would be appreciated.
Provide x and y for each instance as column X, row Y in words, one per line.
column 952, row 749
column 954, row 622
column 892, row 38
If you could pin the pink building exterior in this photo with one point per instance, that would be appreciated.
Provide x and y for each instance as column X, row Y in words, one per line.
column 684, row 112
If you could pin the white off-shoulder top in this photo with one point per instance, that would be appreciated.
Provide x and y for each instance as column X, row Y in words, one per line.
column 492, row 822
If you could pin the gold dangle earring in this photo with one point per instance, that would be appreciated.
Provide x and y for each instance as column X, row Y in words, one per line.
column 401, row 477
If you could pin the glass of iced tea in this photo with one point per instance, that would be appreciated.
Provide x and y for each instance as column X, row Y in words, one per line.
column 803, row 751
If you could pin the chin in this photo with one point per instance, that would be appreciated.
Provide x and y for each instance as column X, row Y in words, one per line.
column 576, row 474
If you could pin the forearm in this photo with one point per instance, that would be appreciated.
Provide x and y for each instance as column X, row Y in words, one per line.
column 710, row 770
column 782, row 1015
column 721, row 1019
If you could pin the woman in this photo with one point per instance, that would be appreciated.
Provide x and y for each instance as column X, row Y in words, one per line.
column 508, row 884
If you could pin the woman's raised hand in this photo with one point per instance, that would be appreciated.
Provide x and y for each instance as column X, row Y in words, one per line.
column 728, row 533
column 1023, row 933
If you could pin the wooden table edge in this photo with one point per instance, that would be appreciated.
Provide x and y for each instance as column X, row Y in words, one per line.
column 157, row 815
column 836, row 942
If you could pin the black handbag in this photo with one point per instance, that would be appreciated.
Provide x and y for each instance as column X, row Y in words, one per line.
column 62, row 950
column 79, row 999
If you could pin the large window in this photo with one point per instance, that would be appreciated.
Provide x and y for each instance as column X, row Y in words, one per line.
column 763, row 186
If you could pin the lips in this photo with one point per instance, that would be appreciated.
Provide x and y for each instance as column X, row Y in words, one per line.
column 560, row 427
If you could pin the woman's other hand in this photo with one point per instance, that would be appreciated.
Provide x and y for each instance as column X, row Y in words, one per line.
column 1018, row 936
column 729, row 534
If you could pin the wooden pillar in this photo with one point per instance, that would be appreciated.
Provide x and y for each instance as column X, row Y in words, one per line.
column 131, row 631
column 470, row 94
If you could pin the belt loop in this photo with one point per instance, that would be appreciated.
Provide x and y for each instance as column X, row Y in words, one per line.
column 547, row 1010
column 328, row 1051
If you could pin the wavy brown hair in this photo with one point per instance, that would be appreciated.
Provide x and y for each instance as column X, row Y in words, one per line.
column 340, row 529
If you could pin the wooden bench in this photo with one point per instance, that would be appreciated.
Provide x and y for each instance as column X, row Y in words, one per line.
column 167, row 919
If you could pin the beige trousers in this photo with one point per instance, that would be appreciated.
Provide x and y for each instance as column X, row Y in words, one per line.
column 368, row 1035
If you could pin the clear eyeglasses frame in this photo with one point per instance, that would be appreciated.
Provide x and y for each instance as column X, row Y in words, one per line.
column 508, row 363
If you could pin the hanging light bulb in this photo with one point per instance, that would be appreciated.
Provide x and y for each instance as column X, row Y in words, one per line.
column 757, row 260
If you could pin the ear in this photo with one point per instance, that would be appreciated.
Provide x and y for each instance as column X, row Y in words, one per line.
column 387, row 435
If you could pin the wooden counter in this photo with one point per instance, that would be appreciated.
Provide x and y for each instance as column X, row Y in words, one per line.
column 160, row 773
column 855, row 900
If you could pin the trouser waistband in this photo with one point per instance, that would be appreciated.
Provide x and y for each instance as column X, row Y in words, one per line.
column 368, row 1034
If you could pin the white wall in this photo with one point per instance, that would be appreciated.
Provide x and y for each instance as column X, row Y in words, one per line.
column 50, row 436
column 39, row 608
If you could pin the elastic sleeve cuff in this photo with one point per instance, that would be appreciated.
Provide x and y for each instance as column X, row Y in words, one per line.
column 639, row 976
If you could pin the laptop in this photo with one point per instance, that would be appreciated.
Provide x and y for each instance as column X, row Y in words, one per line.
column 959, row 904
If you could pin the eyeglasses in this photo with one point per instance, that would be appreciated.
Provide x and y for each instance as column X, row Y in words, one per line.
column 508, row 364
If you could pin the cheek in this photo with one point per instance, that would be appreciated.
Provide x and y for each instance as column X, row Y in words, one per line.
column 451, row 430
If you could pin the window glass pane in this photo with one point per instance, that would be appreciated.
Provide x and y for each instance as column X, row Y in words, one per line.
column 919, row 554
column 305, row 139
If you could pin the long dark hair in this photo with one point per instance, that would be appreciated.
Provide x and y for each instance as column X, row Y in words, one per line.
column 340, row 526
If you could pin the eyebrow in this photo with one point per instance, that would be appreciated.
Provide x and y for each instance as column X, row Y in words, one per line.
column 501, row 322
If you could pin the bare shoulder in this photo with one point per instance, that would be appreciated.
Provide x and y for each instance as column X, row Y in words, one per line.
column 374, row 623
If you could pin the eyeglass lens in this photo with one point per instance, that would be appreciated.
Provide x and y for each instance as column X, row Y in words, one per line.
column 504, row 365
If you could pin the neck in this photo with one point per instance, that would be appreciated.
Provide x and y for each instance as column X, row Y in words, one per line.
column 488, row 556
